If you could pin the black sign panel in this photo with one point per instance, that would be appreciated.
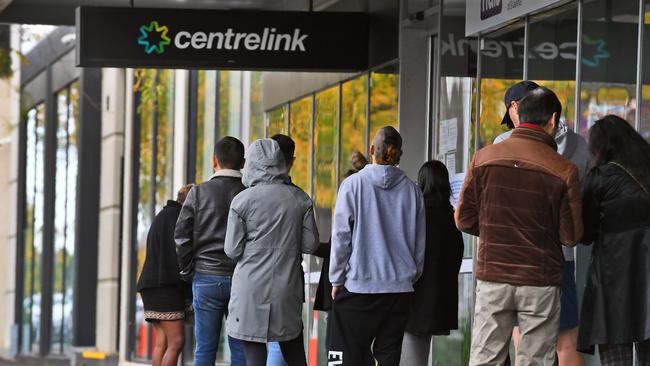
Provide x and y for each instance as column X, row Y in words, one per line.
column 225, row 39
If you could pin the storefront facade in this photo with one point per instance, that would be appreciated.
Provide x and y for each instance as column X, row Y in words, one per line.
column 117, row 143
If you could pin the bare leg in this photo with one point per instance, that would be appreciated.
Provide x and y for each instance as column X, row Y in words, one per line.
column 161, row 345
column 175, row 340
column 515, row 340
column 567, row 342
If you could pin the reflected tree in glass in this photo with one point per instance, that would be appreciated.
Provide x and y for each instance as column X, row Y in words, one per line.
column 278, row 121
column 384, row 95
column 154, row 92
column 300, row 124
column 354, row 107
column 256, row 107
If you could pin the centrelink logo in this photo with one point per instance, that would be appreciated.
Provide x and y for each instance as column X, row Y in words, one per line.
column 147, row 38
column 490, row 8
column 154, row 38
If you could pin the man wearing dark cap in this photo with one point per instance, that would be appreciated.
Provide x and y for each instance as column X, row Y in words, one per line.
column 522, row 199
column 513, row 95
column 378, row 241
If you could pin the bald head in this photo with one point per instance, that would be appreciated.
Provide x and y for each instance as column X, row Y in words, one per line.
column 386, row 147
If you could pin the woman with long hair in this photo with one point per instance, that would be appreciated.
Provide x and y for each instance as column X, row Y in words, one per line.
column 616, row 213
column 435, row 304
column 164, row 294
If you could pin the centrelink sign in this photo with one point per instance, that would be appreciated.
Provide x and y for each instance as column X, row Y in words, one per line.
column 252, row 40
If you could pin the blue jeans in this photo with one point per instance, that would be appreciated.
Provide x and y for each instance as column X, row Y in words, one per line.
column 274, row 355
column 211, row 296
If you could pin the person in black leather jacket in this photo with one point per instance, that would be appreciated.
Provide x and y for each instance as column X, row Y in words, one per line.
column 199, row 236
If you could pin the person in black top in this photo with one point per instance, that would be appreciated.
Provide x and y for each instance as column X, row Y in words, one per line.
column 435, row 304
column 163, row 292
column 615, row 314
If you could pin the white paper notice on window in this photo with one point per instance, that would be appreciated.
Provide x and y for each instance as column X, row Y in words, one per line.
column 456, row 182
column 450, row 162
column 448, row 137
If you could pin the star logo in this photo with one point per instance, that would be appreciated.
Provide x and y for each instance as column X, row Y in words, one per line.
column 154, row 37
column 598, row 51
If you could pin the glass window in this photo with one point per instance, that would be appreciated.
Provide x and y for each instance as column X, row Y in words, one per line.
column 34, row 221
column 256, row 108
column 64, row 218
column 453, row 145
column 206, row 123
column 277, row 121
column 384, row 95
column 354, row 108
column 552, row 56
column 324, row 183
column 644, row 126
column 325, row 144
column 300, row 124
column 454, row 349
column 502, row 66
column 609, row 53
column 230, row 99
column 154, row 96
column 457, row 105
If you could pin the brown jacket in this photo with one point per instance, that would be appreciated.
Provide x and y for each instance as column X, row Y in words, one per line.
column 523, row 200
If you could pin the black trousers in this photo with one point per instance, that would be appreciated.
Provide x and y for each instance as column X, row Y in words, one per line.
column 359, row 321
column 293, row 352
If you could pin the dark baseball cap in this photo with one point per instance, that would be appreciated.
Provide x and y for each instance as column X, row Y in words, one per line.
column 516, row 93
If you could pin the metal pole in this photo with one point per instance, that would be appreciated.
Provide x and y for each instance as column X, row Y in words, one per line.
column 639, row 66
column 526, row 45
column 578, row 112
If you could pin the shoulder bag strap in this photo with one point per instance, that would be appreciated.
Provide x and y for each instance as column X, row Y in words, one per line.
column 631, row 176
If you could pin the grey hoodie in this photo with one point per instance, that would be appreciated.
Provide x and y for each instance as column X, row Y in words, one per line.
column 270, row 224
column 378, row 233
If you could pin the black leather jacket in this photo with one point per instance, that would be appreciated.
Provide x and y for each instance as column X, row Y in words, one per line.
column 201, row 227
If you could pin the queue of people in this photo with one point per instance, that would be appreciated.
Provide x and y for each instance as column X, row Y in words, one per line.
column 232, row 247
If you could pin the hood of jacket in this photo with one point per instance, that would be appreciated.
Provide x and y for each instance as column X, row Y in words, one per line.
column 383, row 176
column 264, row 164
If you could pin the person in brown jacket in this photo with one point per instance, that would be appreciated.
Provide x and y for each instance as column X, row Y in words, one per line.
column 522, row 199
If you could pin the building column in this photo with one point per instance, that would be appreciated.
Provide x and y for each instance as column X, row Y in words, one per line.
column 10, row 150
column 413, row 102
column 110, row 211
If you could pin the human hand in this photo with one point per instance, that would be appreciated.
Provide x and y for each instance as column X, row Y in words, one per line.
column 335, row 291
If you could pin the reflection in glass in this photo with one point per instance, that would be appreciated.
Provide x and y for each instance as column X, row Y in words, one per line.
column 609, row 53
column 300, row 122
column 278, row 121
column 206, row 123
column 154, row 116
column 384, row 95
column 64, row 218
column 325, row 143
column 230, row 103
column 354, row 107
column 454, row 349
column 34, row 185
column 547, row 66
column 256, row 107
column 502, row 67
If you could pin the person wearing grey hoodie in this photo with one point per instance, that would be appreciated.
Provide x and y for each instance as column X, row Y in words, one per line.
column 269, row 225
column 378, row 243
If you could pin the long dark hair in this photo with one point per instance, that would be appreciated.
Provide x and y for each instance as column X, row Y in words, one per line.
column 433, row 179
column 613, row 139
